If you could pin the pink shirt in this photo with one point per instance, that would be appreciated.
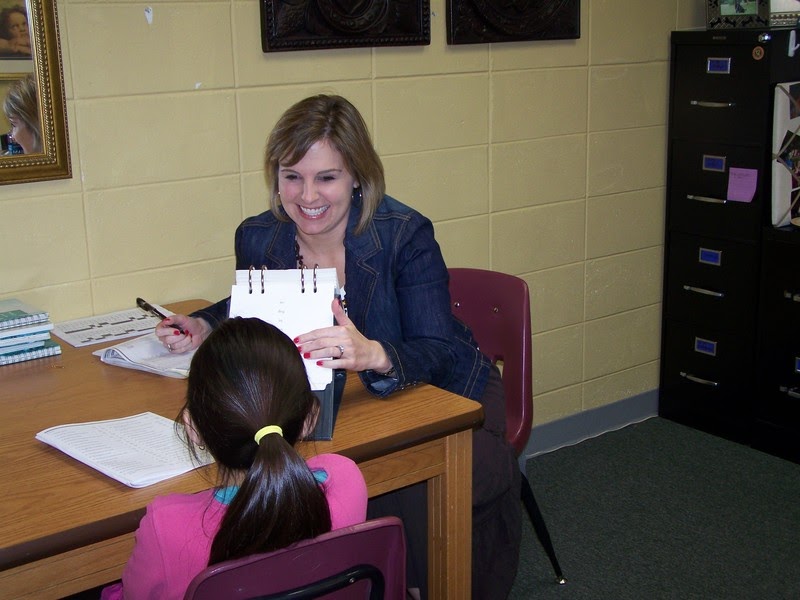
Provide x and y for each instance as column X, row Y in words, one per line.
column 174, row 538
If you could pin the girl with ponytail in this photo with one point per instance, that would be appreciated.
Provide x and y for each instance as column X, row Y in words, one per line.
column 248, row 403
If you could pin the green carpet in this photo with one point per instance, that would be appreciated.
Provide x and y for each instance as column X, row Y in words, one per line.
column 660, row 510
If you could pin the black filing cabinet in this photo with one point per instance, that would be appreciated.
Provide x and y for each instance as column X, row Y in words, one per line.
column 720, row 118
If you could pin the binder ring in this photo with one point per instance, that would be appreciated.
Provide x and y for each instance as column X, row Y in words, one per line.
column 315, row 278
column 250, row 279
column 303, row 279
column 263, row 269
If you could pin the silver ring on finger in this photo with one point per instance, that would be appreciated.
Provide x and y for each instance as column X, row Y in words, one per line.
column 169, row 347
column 341, row 350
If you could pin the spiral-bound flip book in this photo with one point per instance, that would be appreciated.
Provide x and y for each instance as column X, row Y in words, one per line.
column 296, row 301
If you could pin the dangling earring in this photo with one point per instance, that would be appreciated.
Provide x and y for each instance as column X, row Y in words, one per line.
column 202, row 448
column 356, row 197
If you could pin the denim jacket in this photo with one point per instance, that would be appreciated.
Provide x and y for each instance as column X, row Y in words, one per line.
column 397, row 294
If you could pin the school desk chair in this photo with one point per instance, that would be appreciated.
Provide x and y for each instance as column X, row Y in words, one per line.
column 496, row 307
column 367, row 560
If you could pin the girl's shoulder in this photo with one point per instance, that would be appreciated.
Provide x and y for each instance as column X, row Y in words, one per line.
column 331, row 461
column 344, row 487
column 333, row 470
column 171, row 505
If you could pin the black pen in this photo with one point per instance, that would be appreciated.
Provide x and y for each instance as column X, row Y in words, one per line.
column 147, row 307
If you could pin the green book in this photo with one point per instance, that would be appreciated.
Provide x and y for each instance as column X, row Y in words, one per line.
column 5, row 350
column 50, row 348
column 25, row 333
column 14, row 313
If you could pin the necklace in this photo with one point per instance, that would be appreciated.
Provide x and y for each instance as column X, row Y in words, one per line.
column 301, row 265
column 297, row 256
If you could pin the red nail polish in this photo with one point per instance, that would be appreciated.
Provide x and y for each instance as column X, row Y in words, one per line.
column 306, row 354
column 176, row 332
column 319, row 363
column 296, row 340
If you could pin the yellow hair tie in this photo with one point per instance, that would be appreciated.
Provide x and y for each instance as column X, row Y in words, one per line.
column 266, row 431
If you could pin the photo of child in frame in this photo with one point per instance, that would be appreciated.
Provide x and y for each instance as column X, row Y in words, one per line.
column 728, row 8
column 15, row 39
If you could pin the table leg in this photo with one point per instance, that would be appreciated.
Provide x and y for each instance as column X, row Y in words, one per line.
column 450, row 522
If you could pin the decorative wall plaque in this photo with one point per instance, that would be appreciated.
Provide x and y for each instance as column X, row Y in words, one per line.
column 484, row 21
column 318, row 24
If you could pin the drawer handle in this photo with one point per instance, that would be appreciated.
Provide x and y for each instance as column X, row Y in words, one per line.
column 691, row 288
column 794, row 297
column 706, row 199
column 791, row 392
column 698, row 379
column 707, row 104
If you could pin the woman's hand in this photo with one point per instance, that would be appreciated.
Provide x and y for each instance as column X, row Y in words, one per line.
column 180, row 333
column 343, row 346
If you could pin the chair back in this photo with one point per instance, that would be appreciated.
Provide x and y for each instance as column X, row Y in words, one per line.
column 496, row 307
column 352, row 561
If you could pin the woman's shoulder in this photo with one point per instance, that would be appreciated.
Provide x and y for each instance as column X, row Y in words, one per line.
column 389, row 204
column 267, row 218
column 391, row 210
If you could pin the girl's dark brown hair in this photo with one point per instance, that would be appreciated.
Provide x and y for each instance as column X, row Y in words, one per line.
column 247, row 374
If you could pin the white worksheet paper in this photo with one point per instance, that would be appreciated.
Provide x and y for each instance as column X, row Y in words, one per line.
column 138, row 451
column 109, row 327
column 147, row 353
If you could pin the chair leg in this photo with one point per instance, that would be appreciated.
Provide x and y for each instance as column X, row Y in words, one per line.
column 540, row 527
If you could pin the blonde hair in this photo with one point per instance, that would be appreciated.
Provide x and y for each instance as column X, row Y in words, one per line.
column 335, row 120
column 21, row 103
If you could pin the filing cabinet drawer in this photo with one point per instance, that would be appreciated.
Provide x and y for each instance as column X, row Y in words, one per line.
column 714, row 98
column 711, row 281
column 698, row 189
column 697, row 357
column 781, row 287
column 707, row 379
column 779, row 399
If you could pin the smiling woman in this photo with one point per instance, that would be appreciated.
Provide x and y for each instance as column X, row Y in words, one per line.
column 40, row 128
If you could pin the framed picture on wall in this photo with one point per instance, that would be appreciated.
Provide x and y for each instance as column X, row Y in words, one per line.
column 486, row 21
column 319, row 24
column 16, row 55
column 729, row 14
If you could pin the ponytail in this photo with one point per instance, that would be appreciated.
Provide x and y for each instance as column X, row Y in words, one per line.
column 278, row 503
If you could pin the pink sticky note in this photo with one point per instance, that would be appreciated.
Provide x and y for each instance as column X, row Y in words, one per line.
column 742, row 184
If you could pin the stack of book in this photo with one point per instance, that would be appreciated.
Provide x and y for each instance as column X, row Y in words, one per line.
column 24, row 333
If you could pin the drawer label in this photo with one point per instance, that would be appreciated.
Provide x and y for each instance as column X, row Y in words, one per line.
column 707, row 256
column 797, row 364
column 705, row 346
column 718, row 65
column 714, row 163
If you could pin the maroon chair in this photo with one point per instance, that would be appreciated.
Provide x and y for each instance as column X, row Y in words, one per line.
column 496, row 307
column 367, row 560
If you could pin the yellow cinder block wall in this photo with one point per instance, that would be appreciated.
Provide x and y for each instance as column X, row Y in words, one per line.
column 542, row 159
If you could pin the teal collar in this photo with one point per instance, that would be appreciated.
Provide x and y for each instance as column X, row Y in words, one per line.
column 227, row 494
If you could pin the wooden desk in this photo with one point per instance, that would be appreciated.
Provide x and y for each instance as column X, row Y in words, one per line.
column 65, row 527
